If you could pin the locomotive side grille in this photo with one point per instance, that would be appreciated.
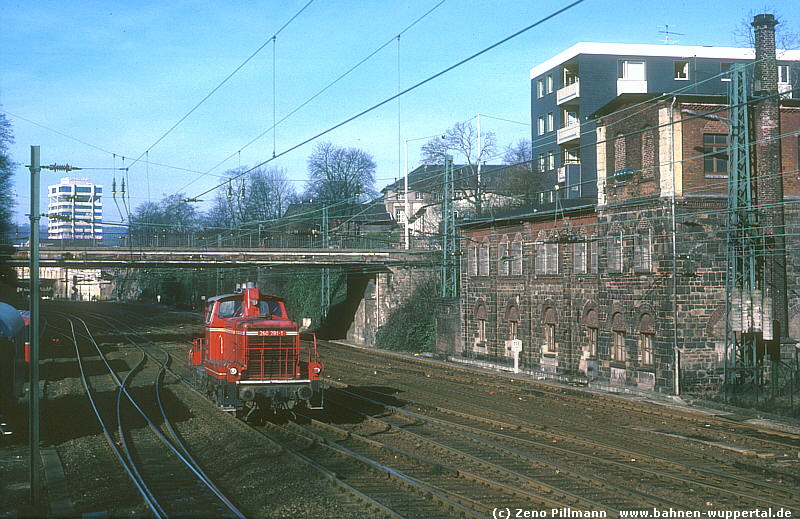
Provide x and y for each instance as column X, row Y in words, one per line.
column 272, row 358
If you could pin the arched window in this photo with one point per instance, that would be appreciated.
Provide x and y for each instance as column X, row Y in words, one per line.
column 481, row 316
column 618, row 330
column 549, row 319
column 592, row 323
column 647, row 331
column 512, row 317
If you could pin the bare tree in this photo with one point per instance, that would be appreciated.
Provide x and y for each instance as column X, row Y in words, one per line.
column 461, row 142
column 340, row 174
column 6, row 174
column 522, row 178
column 786, row 36
column 268, row 193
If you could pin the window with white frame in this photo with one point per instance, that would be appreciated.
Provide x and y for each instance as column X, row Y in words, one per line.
column 483, row 259
column 631, row 69
column 551, row 161
column 579, row 257
column 725, row 70
column 516, row 257
column 540, row 88
column 552, row 258
column 539, row 258
column 783, row 74
column 542, row 162
column 681, row 70
column 550, row 122
column 546, row 258
column 593, row 265
column 540, row 125
column 472, row 260
column 502, row 259
column 549, row 83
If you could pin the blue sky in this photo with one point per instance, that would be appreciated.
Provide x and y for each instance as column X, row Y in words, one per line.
column 90, row 80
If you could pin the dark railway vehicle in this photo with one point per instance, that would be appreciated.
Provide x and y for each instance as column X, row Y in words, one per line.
column 252, row 357
column 14, row 351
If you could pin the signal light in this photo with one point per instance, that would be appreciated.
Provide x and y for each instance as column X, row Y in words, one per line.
column 233, row 370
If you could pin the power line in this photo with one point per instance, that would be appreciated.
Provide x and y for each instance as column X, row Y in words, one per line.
column 411, row 88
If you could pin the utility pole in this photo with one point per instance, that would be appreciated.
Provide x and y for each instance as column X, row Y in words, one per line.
column 325, row 281
column 33, row 396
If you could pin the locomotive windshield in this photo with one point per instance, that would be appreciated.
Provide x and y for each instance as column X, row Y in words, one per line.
column 271, row 309
column 230, row 308
column 233, row 308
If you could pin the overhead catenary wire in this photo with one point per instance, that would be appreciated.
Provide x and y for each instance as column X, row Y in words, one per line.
column 316, row 95
column 409, row 89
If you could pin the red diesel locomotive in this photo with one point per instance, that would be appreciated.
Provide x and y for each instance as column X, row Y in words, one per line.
column 252, row 358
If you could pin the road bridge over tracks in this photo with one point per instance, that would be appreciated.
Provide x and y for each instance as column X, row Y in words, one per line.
column 118, row 257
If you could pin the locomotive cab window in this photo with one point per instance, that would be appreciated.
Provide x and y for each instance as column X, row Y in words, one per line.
column 271, row 309
column 231, row 308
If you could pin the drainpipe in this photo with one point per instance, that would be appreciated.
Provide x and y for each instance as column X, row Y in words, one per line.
column 675, row 351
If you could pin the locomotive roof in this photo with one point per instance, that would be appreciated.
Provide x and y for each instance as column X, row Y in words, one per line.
column 239, row 295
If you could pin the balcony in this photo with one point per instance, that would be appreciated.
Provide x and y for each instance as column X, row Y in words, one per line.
column 631, row 86
column 569, row 133
column 568, row 93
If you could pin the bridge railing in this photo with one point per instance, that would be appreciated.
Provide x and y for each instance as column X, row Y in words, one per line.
column 225, row 240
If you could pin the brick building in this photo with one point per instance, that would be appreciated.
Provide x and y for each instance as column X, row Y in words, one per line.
column 615, row 292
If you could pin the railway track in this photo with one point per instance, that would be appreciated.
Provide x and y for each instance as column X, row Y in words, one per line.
column 669, row 420
column 408, row 438
column 657, row 464
column 139, row 432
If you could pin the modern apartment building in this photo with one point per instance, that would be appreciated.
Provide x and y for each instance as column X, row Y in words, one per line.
column 567, row 89
column 75, row 210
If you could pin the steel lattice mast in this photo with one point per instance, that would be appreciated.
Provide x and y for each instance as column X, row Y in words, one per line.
column 744, row 287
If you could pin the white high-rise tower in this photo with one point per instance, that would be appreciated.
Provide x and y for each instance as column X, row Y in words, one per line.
column 75, row 210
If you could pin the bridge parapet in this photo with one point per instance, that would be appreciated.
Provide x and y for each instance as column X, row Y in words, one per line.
column 223, row 258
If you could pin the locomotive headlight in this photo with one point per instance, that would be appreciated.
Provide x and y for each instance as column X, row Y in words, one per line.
column 316, row 370
column 233, row 370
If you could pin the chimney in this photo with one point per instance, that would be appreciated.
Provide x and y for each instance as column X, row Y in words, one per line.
column 768, row 173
